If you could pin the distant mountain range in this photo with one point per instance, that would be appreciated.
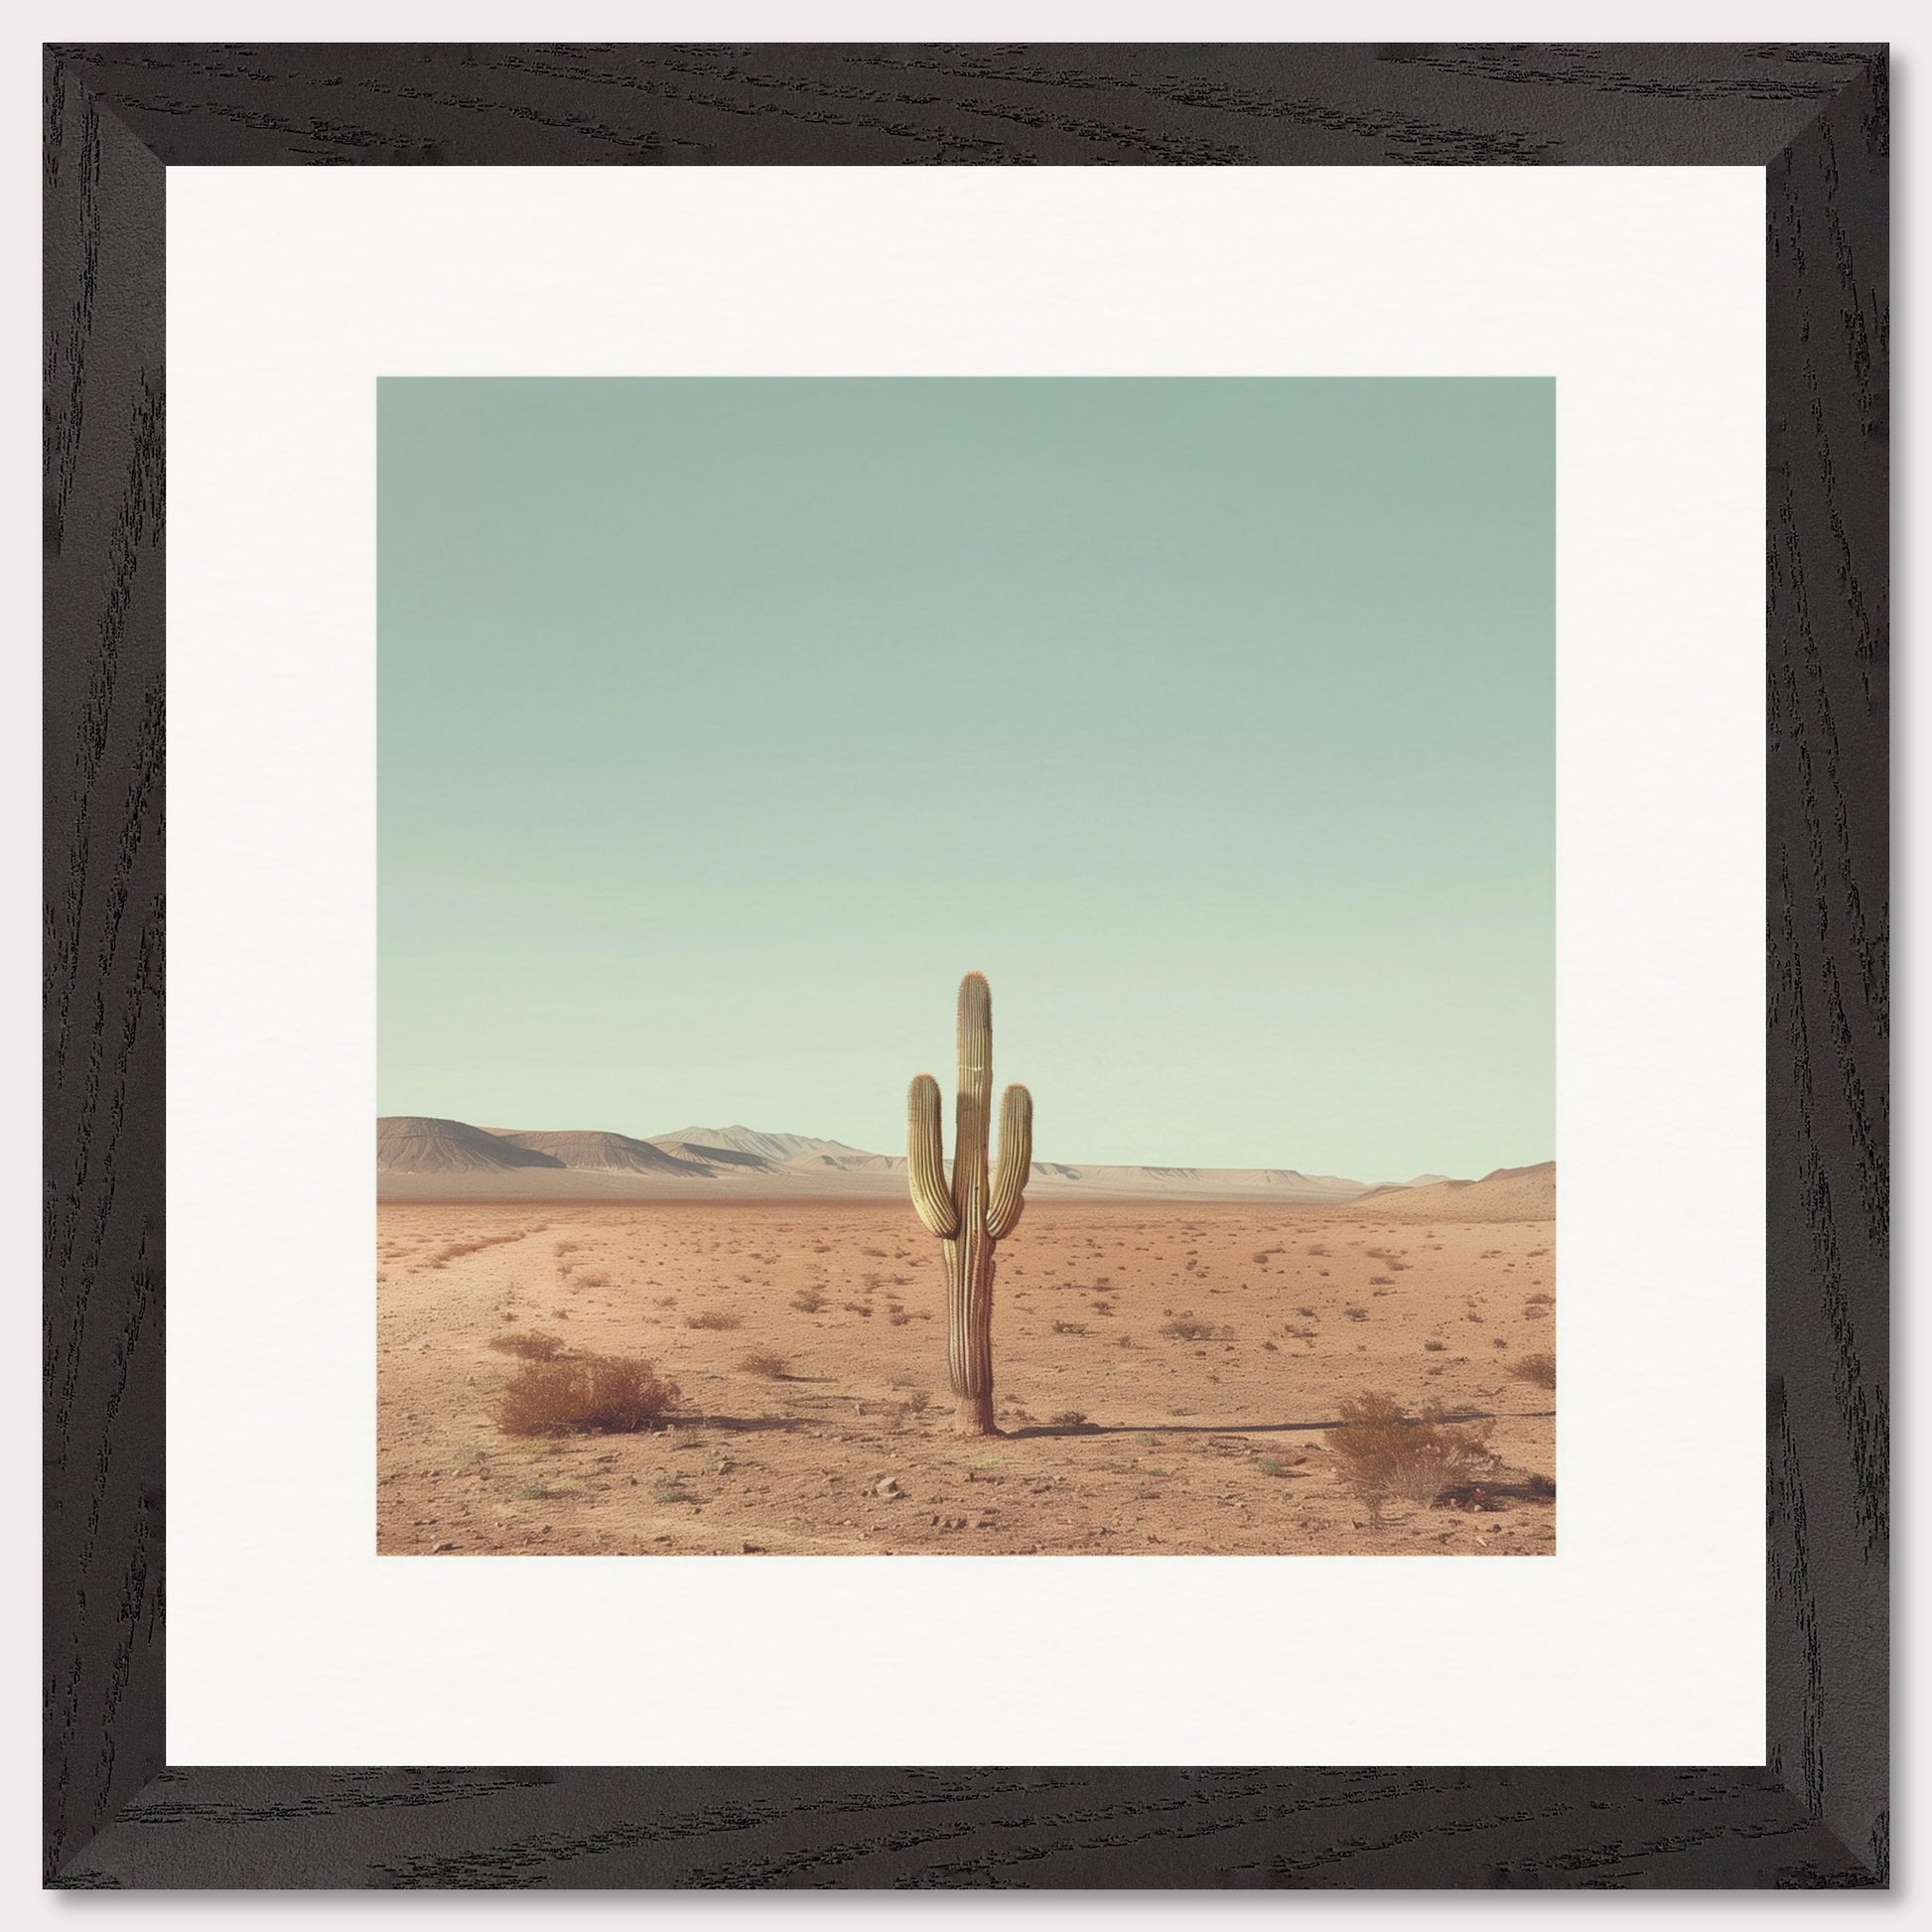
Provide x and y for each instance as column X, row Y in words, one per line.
column 419, row 1156
column 779, row 1148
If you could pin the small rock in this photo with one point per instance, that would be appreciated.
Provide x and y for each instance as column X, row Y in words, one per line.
column 888, row 1488
column 443, row 1549
column 755, row 1549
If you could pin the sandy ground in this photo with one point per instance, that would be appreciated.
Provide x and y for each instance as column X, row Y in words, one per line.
column 1121, row 1439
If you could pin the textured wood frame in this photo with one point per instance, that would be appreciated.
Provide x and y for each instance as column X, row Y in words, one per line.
column 1814, row 119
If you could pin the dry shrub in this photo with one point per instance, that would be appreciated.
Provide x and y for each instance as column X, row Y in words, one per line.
column 808, row 1301
column 531, row 1344
column 713, row 1318
column 1184, row 1327
column 1540, row 1369
column 1383, row 1453
column 456, row 1250
column 583, row 1394
column 775, row 1367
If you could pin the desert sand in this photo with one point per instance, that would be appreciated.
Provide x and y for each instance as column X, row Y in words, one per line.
column 1166, row 1370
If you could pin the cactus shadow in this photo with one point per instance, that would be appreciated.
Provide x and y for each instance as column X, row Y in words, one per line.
column 1236, row 1428
column 749, row 1425
column 1173, row 1428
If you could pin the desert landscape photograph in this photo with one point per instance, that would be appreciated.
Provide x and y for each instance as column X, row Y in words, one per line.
column 1102, row 833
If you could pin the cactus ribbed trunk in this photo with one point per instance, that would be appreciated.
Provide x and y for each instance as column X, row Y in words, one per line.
column 969, row 1254
column 970, row 1210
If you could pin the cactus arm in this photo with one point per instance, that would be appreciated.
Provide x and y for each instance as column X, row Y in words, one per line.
column 925, row 1164
column 1016, row 1161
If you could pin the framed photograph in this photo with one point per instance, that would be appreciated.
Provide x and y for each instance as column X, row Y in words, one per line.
column 1343, row 602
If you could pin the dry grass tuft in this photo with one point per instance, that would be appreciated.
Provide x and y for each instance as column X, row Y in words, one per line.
column 1184, row 1327
column 766, row 1362
column 714, row 1319
column 1384, row 1454
column 587, row 1394
column 531, row 1344
column 457, row 1249
column 1539, row 1368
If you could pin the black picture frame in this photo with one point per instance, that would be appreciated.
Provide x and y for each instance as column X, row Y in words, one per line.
column 1813, row 119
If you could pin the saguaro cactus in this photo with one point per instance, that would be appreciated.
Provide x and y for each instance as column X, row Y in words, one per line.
column 968, row 1213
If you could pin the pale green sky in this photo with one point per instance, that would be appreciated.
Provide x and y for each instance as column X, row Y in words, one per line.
column 725, row 723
